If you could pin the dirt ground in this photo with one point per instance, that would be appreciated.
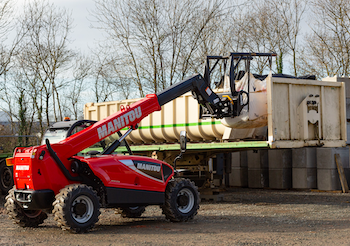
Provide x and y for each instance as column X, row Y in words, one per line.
column 245, row 217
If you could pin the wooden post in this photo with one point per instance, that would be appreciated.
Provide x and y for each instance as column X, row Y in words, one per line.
column 344, row 183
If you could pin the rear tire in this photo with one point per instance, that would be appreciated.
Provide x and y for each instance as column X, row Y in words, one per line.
column 181, row 200
column 6, row 177
column 23, row 217
column 76, row 208
column 132, row 212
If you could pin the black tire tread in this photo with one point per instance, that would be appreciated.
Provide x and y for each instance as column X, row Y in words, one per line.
column 59, row 206
column 17, row 214
column 4, row 189
column 169, row 209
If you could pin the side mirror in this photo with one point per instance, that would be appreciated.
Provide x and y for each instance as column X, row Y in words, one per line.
column 183, row 141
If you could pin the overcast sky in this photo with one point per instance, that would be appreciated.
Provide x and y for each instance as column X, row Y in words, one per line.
column 82, row 35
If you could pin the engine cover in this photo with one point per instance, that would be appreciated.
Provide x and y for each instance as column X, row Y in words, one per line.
column 131, row 180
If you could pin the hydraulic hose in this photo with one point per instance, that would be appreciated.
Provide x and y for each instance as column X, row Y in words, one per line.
column 60, row 164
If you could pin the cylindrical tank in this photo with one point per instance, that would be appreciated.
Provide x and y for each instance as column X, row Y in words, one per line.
column 165, row 125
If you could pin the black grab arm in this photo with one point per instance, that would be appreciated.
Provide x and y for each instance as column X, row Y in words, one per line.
column 200, row 91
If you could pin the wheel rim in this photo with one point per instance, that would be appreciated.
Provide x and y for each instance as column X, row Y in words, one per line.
column 32, row 213
column 82, row 209
column 6, row 178
column 185, row 200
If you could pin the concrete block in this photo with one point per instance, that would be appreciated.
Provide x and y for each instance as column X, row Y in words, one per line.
column 280, row 178
column 304, row 158
column 347, row 175
column 257, row 159
column 347, row 128
column 239, row 177
column 258, row 178
column 280, row 158
column 304, row 178
column 239, row 159
column 328, row 179
column 347, row 85
column 325, row 157
column 348, row 108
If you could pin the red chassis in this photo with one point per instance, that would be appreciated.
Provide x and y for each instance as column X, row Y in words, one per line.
column 52, row 178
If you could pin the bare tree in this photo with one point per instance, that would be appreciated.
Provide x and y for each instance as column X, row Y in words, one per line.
column 45, row 54
column 77, row 86
column 114, row 19
column 274, row 26
column 327, row 48
column 16, row 102
column 102, row 76
column 33, row 85
column 159, row 40
column 6, row 26
column 13, row 100
column 111, row 77
column 290, row 14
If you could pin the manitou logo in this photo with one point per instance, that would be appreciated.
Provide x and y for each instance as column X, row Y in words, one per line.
column 148, row 167
column 119, row 123
column 22, row 167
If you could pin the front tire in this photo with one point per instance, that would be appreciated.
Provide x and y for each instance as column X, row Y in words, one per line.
column 181, row 200
column 6, row 177
column 23, row 217
column 76, row 208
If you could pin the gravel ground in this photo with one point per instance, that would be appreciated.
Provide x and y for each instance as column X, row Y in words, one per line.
column 245, row 217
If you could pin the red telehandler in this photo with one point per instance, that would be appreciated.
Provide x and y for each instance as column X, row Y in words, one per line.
column 52, row 178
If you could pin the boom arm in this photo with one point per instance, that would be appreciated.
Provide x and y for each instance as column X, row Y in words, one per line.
column 201, row 91
column 133, row 114
column 195, row 82
column 129, row 116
